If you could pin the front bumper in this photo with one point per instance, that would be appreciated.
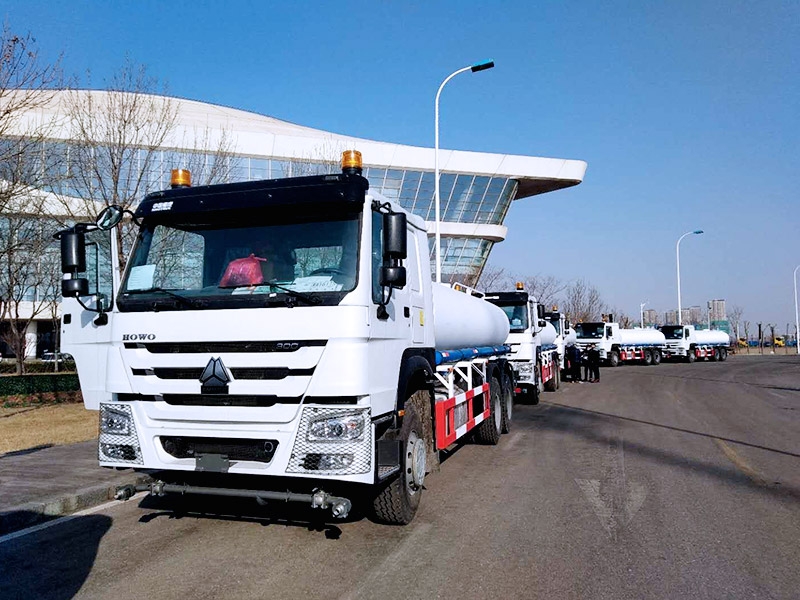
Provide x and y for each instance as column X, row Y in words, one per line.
column 279, row 449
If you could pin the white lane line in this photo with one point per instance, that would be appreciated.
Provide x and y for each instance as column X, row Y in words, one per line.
column 89, row 511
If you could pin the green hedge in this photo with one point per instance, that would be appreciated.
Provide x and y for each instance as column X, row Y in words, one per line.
column 13, row 385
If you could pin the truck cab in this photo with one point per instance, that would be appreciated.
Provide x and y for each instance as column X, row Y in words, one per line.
column 534, row 355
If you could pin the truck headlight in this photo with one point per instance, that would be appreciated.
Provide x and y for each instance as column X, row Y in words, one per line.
column 331, row 429
column 115, row 421
column 525, row 368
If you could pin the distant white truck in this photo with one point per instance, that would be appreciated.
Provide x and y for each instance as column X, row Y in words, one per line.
column 564, row 333
column 534, row 355
column 617, row 345
column 687, row 343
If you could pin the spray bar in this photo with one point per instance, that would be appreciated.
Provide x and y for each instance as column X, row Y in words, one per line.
column 340, row 507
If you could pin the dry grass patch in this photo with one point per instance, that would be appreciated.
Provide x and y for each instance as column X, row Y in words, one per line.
column 55, row 425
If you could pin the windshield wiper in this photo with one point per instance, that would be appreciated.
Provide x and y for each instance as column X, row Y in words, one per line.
column 292, row 293
column 186, row 301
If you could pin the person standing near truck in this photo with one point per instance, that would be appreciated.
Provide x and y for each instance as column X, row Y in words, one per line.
column 594, row 364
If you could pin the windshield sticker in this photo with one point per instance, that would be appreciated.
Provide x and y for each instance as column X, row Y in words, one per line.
column 159, row 206
column 316, row 284
column 141, row 277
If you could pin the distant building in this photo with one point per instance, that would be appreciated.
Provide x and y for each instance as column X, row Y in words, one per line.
column 671, row 317
column 695, row 316
column 717, row 310
column 650, row 317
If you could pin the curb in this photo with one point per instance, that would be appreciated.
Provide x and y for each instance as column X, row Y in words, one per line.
column 32, row 513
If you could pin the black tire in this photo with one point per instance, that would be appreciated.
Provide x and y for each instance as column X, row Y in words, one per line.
column 396, row 503
column 648, row 358
column 488, row 432
column 656, row 357
column 613, row 359
column 558, row 377
column 507, row 387
column 691, row 356
column 723, row 354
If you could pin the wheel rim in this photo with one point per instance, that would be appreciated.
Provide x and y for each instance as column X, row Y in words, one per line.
column 415, row 463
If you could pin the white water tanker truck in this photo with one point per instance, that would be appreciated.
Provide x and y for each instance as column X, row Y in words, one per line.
column 283, row 335
column 564, row 333
column 617, row 345
column 534, row 354
column 687, row 343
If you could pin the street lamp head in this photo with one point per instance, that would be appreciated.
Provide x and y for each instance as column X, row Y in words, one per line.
column 482, row 66
column 698, row 232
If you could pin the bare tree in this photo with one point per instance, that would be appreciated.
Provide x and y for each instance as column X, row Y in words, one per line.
column 26, row 85
column 493, row 279
column 28, row 277
column 122, row 139
column 545, row 288
column 746, row 325
column 734, row 318
column 582, row 302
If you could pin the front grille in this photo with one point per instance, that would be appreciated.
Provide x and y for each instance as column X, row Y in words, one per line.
column 244, row 373
column 220, row 347
column 211, row 399
column 233, row 448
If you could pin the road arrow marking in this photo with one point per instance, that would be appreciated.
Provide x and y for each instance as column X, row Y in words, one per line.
column 614, row 499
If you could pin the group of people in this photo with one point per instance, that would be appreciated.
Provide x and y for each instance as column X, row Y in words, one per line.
column 589, row 359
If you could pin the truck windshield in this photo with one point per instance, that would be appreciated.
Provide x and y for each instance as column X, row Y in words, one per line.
column 672, row 332
column 184, row 266
column 589, row 330
column 556, row 322
column 517, row 317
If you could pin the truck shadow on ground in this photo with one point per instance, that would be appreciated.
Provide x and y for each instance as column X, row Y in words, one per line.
column 53, row 563
column 589, row 425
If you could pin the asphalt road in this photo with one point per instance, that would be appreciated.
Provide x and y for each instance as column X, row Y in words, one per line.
column 675, row 481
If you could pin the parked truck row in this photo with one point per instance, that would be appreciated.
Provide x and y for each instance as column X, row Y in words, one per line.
column 650, row 346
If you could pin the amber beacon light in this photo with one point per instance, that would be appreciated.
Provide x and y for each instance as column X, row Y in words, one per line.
column 180, row 178
column 351, row 161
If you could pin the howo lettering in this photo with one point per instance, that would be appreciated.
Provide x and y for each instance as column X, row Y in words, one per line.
column 291, row 339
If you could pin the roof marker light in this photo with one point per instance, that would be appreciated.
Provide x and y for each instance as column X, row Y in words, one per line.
column 180, row 178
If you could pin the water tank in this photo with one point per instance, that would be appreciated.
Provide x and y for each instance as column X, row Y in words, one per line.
column 462, row 321
column 547, row 335
column 641, row 337
column 711, row 336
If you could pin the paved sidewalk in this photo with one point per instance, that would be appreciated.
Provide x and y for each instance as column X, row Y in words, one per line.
column 41, row 484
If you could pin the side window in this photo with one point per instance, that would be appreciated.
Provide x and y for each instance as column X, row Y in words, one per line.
column 609, row 332
column 98, row 263
column 412, row 265
column 686, row 333
column 377, row 255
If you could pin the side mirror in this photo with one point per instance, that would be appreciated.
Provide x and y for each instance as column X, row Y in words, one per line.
column 540, row 311
column 394, row 236
column 109, row 217
column 73, row 251
column 566, row 325
column 542, row 323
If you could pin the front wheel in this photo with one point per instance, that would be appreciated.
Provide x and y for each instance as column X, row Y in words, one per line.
column 691, row 356
column 613, row 359
column 656, row 357
column 397, row 502
column 723, row 354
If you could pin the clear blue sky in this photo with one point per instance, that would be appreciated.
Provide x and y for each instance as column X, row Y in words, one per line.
column 687, row 112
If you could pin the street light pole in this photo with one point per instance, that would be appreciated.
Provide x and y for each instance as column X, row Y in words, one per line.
column 678, row 262
column 796, row 319
column 481, row 66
